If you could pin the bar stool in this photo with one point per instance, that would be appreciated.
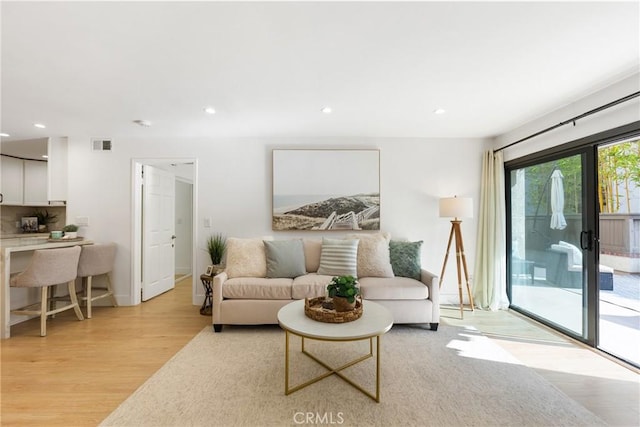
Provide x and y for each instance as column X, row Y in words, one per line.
column 96, row 260
column 50, row 267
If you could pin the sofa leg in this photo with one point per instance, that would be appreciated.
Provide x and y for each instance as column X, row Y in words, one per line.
column 434, row 326
column 217, row 327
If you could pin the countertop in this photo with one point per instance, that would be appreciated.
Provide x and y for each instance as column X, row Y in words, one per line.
column 33, row 243
column 23, row 235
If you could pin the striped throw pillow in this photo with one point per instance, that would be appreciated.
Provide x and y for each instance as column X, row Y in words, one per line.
column 339, row 257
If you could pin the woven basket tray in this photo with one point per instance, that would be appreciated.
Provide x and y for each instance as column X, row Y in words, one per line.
column 318, row 309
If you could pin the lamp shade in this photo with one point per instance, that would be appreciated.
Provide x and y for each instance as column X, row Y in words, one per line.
column 456, row 207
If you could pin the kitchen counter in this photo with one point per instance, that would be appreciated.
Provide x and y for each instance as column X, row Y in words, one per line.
column 18, row 251
column 23, row 236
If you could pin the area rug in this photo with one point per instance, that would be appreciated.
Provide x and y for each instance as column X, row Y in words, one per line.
column 452, row 377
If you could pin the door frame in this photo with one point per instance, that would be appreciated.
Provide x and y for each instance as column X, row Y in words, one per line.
column 587, row 146
column 136, row 222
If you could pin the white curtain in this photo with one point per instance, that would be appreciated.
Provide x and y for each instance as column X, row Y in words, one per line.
column 490, row 284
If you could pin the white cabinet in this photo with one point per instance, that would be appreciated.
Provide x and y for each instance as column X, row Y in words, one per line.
column 12, row 183
column 24, row 182
column 35, row 183
column 57, row 170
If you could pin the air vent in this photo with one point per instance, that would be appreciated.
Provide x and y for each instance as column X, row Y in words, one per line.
column 101, row 144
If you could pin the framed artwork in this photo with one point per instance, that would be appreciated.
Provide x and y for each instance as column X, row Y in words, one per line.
column 326, row 190
column 29, row 224
column 209, row 271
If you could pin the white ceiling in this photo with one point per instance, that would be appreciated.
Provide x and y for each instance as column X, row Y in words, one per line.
column 85, row 68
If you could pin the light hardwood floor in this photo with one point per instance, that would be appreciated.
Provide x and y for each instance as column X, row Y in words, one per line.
column 82, row 371
column 606, row 387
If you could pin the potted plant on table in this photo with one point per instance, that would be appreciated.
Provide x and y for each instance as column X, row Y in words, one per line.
column 70, row 231
column 216, row 246
column 343, row 290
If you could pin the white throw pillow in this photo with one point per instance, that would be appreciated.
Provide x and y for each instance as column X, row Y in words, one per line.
column 245, row 258
column 339, row 257
column 373, row 255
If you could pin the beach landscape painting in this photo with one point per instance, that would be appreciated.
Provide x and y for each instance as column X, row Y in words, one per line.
column 326, row 189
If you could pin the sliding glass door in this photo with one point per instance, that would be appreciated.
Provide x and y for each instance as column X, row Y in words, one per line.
column 573, row 236
column 549, row 240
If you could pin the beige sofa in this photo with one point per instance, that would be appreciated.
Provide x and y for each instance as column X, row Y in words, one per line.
column 247, row 293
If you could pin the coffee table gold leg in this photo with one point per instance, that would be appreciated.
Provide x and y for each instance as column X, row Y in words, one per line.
column 378, row 368
column 286, row 363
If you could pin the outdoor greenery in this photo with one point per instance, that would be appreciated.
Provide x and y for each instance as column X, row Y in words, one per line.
column 618, row 170
column 618, row 175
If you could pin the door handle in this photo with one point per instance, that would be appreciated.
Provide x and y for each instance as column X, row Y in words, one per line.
column 586, row 240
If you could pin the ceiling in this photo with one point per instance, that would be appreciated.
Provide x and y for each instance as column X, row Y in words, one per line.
column 91, row 69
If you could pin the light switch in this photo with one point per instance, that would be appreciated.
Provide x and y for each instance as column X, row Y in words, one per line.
column 82, row 221
column 207, row 222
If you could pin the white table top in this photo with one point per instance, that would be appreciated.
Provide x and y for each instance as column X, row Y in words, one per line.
column 375, row 320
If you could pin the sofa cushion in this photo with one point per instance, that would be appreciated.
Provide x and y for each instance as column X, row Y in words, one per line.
column 396, row 288
column 405, row 258
column 312, row 250
column 257, row 288
column 310, row 286
column 245, row 258
column 285, row 258
column 373, row 255
column 571, row 264
column 338, row 257
column 576, row 253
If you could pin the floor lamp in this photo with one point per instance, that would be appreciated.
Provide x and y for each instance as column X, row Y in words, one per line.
column 457, row 207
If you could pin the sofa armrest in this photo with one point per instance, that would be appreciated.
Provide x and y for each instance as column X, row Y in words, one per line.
column 432, row 282
column 216, row 295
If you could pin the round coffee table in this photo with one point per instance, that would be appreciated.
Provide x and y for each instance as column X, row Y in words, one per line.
column 376, row 320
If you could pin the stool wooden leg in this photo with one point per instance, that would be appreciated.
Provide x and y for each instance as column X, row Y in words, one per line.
column 74, row 299
column 44, row 292
column 89, row 302
column 110, row 290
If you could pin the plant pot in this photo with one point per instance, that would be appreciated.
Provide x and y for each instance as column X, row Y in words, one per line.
column 342, row 304
column 71, row 234
column 218, row 268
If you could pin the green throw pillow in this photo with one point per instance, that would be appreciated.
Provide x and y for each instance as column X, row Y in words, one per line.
column 285, row 258
column 405, row 258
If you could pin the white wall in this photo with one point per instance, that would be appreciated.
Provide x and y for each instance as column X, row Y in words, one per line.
column 233, row 179
column 608, row 119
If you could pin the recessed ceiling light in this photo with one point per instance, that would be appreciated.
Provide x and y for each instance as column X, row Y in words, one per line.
column 326, row 110
column 143, row 123
column 209, row 110
column 439, row 111
column 5, row 135
column 39, row 125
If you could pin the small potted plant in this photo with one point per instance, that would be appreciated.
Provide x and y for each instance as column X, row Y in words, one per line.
column 70, row 231
column 217, row 246
column 343, row 290
column 44, row 219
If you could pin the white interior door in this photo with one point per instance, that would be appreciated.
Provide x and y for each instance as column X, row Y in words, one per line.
column 158, row 246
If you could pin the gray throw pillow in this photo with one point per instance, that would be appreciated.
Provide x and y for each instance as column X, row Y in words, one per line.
column 285, row 258
column 405, row 258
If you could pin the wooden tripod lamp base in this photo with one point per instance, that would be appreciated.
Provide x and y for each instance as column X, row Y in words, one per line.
column 457, row 207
